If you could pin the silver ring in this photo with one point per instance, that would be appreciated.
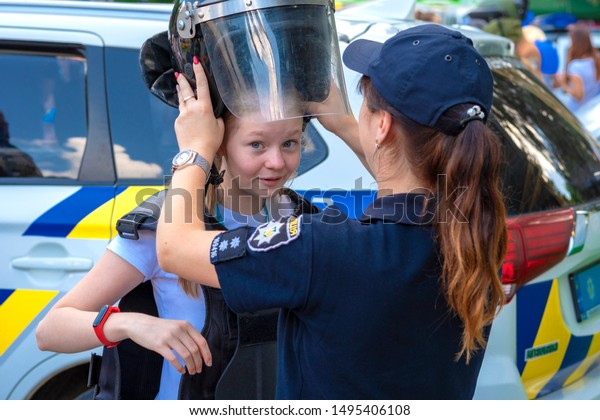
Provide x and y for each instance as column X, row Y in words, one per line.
column 187, row 98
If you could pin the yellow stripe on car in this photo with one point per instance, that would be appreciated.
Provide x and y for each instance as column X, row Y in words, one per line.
column 552, row 328
column 93, row 226
column 549, row 355
column 18, row 311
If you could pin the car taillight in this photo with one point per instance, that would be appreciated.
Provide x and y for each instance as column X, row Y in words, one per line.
column 536, row 242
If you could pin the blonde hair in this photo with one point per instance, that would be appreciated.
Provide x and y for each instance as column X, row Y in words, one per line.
column 533, row 33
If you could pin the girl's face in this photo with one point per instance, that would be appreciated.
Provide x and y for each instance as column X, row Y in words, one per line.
column 261, row 156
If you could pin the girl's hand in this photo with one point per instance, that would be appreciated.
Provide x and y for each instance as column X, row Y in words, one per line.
column 196, row 126
column 167, row 337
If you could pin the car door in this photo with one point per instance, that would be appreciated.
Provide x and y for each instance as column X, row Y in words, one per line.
column 56, row 188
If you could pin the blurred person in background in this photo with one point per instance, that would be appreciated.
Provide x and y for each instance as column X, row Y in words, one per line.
column 581, row 78
column 548, row 66
column 505, row 18
column 427, row 14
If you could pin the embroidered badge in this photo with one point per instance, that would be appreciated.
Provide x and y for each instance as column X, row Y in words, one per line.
column 228, row 245
column 275, row 234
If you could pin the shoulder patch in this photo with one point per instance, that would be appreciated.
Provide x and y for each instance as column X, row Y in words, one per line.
column 275, row 234
column 228, row 245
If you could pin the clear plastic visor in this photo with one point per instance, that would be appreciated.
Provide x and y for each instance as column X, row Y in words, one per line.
column 277, row 63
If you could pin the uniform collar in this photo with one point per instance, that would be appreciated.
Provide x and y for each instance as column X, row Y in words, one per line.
column 409, row 209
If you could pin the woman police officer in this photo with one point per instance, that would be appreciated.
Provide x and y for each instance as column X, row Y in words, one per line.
column 397, row 304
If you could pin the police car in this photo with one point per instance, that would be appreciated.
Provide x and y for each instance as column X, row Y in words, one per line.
column 83, row 142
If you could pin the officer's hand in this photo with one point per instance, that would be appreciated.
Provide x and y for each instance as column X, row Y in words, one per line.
column 331, row 114
column 196, row 126
column 166, row 336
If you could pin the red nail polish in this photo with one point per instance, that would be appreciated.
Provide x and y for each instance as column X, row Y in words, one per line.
column 196, row 60
column 176, row 75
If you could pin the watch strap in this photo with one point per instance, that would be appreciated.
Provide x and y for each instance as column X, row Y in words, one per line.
column 196, row 159
column 201, row 162
column 99, row 329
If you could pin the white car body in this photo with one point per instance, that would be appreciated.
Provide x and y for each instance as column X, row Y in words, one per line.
column 53, row 231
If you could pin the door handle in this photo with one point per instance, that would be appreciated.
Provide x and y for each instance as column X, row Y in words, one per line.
column 52, row 263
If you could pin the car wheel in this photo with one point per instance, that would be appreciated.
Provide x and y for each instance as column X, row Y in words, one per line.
column 68, row 385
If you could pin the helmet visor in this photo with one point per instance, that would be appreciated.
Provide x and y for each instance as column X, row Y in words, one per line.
column 272, row 63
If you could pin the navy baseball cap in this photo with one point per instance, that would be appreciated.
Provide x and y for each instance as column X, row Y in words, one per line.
column 424, row 70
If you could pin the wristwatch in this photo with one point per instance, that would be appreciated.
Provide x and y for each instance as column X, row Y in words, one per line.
column 189, row 157
column 99, row 324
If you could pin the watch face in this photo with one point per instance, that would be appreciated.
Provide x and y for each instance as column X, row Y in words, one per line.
column 100, row 315
column 181, row 157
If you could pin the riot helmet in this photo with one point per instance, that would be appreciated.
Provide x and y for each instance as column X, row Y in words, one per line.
column 156, row 66
column 264, row 59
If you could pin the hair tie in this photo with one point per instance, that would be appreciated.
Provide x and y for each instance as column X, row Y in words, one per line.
column 473, row 113
column 215, row 178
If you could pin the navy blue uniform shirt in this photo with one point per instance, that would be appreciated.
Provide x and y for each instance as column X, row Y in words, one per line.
column 362, row 313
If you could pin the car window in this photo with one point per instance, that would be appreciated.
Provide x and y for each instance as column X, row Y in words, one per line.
column 142, row 132
column 551, row 161
column 141, row 125
column 42, row 114
column 314, row 149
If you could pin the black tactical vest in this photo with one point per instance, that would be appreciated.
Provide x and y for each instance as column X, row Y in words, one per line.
column 243, row 346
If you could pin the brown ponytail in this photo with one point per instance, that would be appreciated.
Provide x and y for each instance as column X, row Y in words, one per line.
column 471, row 224
column 463, row 171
